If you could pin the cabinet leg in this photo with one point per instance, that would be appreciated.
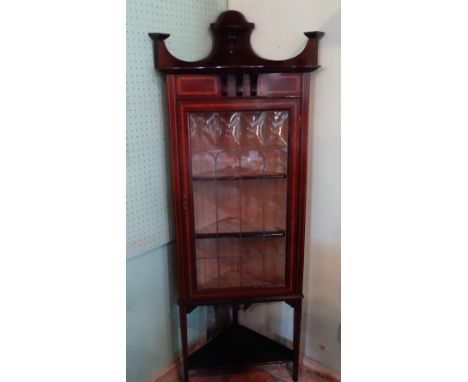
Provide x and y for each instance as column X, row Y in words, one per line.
column 183, row 334
column 296, row 338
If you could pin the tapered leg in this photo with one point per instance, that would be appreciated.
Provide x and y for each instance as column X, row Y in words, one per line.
column 183, row 334
column 296, row 337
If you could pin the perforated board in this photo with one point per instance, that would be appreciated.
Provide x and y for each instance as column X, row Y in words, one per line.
column 149, row 222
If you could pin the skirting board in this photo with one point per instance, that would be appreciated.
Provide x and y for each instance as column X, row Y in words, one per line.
column 170, row 373
column 321, row 369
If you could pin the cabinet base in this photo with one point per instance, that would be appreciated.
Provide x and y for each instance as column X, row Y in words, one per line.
column 238, row 346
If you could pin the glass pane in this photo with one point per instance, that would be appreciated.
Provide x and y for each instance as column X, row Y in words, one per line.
column 203, row 164
column 276, row 161
column 204, row 131
column 276, row 128
column 229, row 272
column 227, row 164
column 274, row 271
column 229, row 129
column 239, row 163
column 252, row 162
column 252, row 205
column 253, row 127
column 206, row 248
column 204, row 201
column 227, row 206
column 208, row 273
column 274, row 209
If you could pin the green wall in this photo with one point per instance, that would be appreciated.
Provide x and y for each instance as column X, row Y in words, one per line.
column 152, row 317
column 148, row 194
column 153, row 340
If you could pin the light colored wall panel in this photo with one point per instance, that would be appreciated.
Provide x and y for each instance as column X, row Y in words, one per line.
column 278, row 34
column 149, row 222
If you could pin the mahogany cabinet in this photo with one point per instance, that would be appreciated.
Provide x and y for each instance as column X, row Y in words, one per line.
column 238, row 138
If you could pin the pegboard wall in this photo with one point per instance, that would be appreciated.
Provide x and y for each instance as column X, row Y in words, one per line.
column 149, row 223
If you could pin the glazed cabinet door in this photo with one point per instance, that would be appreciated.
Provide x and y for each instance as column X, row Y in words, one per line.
column 239, row 165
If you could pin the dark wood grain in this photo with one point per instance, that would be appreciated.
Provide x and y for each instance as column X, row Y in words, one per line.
column 301, row 211
column 232, row 51
column 198, row 86
column 176, row 194
column 296, row 337
column 279, row 84
column 233, row 78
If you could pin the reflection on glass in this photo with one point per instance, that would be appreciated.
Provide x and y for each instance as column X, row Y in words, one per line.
column 252, row 162
column 276, row 161
column 203, row 163
column 229, row 130
column 276, row 128
column 239, row 172
column 253, row 129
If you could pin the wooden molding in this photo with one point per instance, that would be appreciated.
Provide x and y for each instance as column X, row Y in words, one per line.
column 232, row 51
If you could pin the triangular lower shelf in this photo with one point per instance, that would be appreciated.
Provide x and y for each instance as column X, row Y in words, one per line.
column 238, row 346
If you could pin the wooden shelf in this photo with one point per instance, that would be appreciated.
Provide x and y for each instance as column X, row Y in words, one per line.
column 238, row 346
column 212, row 235
column 240, row 177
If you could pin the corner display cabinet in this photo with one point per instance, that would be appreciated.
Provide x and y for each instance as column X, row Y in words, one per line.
column 238, row 138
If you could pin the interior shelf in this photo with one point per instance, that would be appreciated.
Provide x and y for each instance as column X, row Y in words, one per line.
column 238, row 346
column 212, row 235
column 214, row 151
column 239, row 177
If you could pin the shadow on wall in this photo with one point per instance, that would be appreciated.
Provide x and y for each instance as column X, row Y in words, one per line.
column 332, row 29
column 322, row 271
column 322, row 340
column 167, row 163
column 322, row 316
column 273, row 320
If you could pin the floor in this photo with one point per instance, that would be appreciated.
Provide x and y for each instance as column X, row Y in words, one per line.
column 267, row 373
